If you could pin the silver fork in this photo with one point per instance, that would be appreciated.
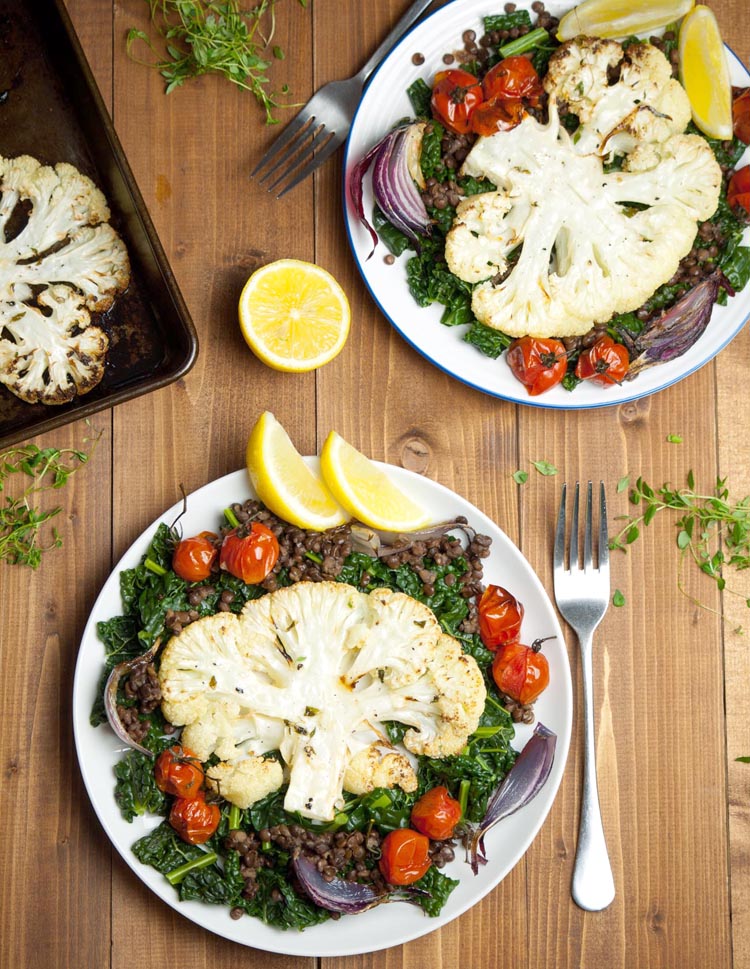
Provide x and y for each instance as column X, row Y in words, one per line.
column 582, row 594
column 315, row 133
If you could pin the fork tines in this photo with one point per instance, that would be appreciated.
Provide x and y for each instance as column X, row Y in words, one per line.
column 603, row 542
column 300, row 148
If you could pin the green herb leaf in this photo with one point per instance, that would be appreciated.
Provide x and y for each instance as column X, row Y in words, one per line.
column 545, row 468
column 213, row 37
column 22, row 520
column 623, row 483
column 618, row 599
column 520, row 477
column 674, row 439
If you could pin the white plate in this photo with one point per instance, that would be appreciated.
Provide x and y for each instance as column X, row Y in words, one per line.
column 385, row 102
column 99, row 750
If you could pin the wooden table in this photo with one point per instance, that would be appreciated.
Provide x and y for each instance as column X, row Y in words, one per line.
column 672, row 703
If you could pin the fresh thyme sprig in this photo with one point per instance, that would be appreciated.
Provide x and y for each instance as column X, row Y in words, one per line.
column 712, row 530
column 21, row 520
column 205, row 36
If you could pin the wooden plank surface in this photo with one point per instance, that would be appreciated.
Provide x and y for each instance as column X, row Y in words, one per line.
column 671, row 698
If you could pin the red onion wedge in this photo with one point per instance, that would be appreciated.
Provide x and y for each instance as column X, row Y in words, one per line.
column 371, row 542
column 110, row 695
column 342, row 896
column 523, row 782
column 393, row 184
column 673, row 333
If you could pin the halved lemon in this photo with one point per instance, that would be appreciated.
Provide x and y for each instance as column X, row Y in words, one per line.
column 294, row 316
column 620, row 18
column 366, row 491
column 283, row 481
column 704, row 73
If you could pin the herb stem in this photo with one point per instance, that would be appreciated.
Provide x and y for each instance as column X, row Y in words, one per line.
column 463, row 795
column 234, row 818
column 175, row 876
column 154, row 567
column 231, row 518
column 534, row 38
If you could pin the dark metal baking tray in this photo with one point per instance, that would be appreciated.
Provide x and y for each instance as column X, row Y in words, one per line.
column 50, row 107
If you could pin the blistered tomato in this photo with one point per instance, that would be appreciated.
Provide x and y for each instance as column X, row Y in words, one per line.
column 193, row 557
column 194, row 819
column 250, row 553
column 500, row 617
column 436, row 814
column 405, row 856
column 521, row 672
column 178, row 771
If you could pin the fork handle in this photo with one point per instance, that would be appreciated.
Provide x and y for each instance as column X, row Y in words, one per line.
column 593, row 885
column 411, row 15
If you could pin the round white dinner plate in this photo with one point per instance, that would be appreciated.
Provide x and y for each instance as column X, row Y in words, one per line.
column 385, row 102
column 390, row 924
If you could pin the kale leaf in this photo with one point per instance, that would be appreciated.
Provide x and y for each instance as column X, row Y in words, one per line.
column 420, row 95
column 164, row 850
column 507, row 21
column 394, row 240
column 490, row 342
column 439, row 885
column 136, row 791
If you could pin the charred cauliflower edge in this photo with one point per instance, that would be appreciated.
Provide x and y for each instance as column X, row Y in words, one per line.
column 313, row 671
column 66, row 263
column 587, row 253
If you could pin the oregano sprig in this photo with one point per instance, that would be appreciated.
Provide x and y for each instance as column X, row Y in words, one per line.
column 712, row 529
column 215, row 36
column 21, row 519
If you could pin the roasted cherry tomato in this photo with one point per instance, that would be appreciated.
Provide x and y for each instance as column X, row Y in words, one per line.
column 193, row 557
column 521, row 672
column 513, row 79
column 741, row 115
column 496, row 115
column 538, row 363
column 405, row 856
column 500, row 617
column 436, row 814
column 738, row 193
column 178, row 771
column 250, row 552
column 194, row 819
column 455, row 95
column 605, row 363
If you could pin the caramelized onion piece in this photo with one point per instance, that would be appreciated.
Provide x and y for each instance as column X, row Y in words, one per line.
column 339, row 895
column 673, row 333
column 110, row 695
column 371, row 542
column 523, row 782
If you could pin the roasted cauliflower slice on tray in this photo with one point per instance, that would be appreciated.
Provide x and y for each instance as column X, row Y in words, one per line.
column 591, row 243
column 63, row 264
column 313, row 671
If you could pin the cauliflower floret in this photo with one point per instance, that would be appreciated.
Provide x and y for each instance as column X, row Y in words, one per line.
column 66, row 259
column 246, row 782
column 379, row 766
column 586, row 252
column 644, row 104
column 48, row 357
column 481, row 237
column 312, row 669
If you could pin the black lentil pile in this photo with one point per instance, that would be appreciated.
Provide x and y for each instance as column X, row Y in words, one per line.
column 443, row 550
column 142, row 686
column 352, row 856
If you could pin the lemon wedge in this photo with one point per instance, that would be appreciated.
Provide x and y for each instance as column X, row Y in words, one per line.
column 704, row 73
column 620, row 18
column 284, row 483
column 293, row 315
column 366, row 491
